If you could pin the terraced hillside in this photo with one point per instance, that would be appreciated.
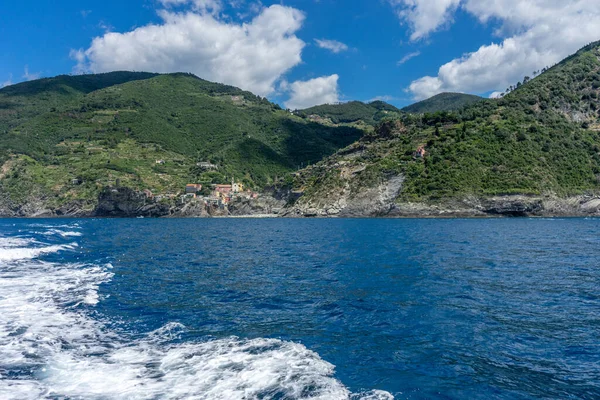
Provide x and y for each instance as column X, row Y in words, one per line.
column 63, row 139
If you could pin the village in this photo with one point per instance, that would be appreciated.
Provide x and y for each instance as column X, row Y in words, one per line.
column 220, row 195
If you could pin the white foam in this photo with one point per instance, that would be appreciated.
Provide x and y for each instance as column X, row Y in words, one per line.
column 373, row 395
column 27, row 253
column 62, row 233
column 221, row 369
column 45, row 328
column 73, row 225
column 20, row 390
column 9, row 242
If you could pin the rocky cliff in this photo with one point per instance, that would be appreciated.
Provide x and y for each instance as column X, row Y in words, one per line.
column 344, row 201
column 376, row 203
column 125, row 202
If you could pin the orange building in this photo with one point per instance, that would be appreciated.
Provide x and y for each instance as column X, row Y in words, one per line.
column 223, row 189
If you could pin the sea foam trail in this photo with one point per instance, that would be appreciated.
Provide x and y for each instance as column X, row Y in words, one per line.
column 50, row 347
column 24, row 253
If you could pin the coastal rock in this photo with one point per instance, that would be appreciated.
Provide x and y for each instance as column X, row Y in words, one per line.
column 381, row 202
column 196, row 209
column 369, row 202
column 126, row 202
column 263, row 205
column 513, row 206
column 74, row 209
column 573, row 206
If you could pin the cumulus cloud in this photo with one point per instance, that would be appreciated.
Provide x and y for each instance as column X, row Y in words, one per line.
column 332, row 45
column 533, row 34
column 304, row 94
column 425, row 16
column 408, row 57
column 253, row 55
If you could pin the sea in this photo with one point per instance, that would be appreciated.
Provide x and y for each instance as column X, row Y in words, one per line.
column 287, row 309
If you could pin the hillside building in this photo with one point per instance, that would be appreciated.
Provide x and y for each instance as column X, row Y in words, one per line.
column 192, row 188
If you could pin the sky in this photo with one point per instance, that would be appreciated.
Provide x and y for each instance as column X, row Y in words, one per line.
column 301, row 53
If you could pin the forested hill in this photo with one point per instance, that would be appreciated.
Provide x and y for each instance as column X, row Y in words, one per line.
column 442, row 102
column 148, row 131
column 542, row 138
column 351, row 112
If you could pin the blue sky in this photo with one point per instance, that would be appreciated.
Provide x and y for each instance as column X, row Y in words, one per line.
column 301, row 52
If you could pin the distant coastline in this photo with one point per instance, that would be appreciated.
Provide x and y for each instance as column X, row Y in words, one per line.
column 263, row 206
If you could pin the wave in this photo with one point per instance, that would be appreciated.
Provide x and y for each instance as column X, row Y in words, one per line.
column 50, row 346
column 10, row 253
column 8, row 242
column 73, row 225
column 62, row 233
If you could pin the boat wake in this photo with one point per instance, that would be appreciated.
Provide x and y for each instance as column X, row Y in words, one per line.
column 51, row 346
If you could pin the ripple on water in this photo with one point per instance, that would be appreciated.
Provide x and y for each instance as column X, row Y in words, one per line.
column 50, row 346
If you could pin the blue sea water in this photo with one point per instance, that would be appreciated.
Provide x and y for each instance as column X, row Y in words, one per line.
column 300, row 309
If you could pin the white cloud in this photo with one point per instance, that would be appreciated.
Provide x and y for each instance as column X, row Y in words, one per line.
column 252, row 55
column 30, row 76
column 496, row 95
column 79, row 56
column 408, row 57
column 534, row 34
column 331, row 45
column 304, row 94
column 425, row 16
column 105, row 27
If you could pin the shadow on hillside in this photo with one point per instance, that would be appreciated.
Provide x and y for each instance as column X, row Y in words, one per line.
column 310, row 142
column 252, row 151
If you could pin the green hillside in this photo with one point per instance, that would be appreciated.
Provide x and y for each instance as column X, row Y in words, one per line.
column 442, row 102
column 354, row 111
column 148, row 131
column 542, row 138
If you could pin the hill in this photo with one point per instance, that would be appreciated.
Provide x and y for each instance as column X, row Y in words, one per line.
column 442, row 102
column 351, row 112
column 63, row 139
column 540, row 141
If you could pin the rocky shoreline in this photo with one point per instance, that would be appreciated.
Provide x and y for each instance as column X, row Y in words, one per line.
column 471, row 207
column 378, row 203
column 123, row 202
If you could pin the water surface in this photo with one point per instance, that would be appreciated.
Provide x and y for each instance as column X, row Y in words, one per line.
column 300, row 309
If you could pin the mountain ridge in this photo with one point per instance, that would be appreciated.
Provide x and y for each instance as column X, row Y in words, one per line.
column 540, row 141
column 442, row 102
column 147, row 132
column 350, row 112
column 534, row 150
